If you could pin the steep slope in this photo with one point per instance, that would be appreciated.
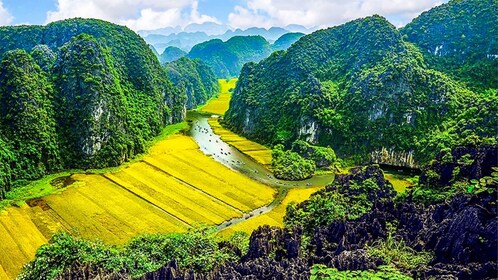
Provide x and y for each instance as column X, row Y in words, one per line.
column 286, row 40
column 194, row 79
column 171, row 54
column 227, row 58
column 27, row 124
column 358, row 88
column 100, row 94
column 460, row 38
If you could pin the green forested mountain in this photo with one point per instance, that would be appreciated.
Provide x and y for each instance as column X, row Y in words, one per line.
column 227, row 58
column 89, row 94
column 362, row 90
column 460, row 38
column 286, row 40
column 194, row 79
column 171, row 54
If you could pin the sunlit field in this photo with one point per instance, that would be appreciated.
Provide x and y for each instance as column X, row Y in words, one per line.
column 219, row 105
column 172, row 188
column 399, row 183
column 276, row 216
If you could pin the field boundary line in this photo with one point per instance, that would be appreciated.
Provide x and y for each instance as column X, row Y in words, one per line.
column 146, row 200
column 194, row 187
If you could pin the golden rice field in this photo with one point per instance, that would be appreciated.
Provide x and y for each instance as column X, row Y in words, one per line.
column 173, row 187
column 276, row 216
column 219, row 105
column 258, row 152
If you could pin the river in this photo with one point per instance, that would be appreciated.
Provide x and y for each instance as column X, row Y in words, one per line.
column 212, row 145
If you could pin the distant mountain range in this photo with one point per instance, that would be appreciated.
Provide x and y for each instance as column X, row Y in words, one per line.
column 193, row 34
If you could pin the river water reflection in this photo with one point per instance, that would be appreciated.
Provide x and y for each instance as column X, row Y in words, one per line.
column 211, row 144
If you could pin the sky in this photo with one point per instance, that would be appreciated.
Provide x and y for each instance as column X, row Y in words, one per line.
column 154, row 14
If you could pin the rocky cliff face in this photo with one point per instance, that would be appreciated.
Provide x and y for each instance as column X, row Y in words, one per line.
column 394, row 158
column 89, row 100
column 467, row 162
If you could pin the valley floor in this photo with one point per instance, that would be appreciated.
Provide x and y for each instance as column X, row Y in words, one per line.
column 172, row 188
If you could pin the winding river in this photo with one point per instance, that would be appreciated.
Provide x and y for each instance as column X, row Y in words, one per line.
column 212, row 145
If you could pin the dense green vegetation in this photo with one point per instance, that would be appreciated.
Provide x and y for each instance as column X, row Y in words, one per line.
column 171, row 54
column 452, row 173
column 459, row 38
column 323, row 157
column 199, row 249
column 359, row 87
column 27, row 126
column 227, row 58
column 340, row 201
column 90, row 94
column 194, row 79
column 289, row 165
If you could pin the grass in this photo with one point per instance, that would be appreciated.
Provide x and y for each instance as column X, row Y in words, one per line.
column 395, row 252
column 276, row 216
column 35, row 189
column 219, row 105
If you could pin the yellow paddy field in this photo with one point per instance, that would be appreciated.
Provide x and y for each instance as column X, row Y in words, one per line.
column 220, row 104
column 172, row 188
column 276, row 216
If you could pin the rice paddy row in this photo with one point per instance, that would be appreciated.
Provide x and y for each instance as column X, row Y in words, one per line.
column 172, row 188
column 219, row 105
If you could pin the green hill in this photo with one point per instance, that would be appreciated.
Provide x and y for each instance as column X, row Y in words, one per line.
column 227, row 58
column 460, row 38
column 90, row 94
column 362, row 90
column 286, row 40
column 171, row 54
column 194, row 78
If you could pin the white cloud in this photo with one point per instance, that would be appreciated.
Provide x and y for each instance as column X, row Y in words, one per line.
column 267, row 13
column 136, row 14
column 5, row 17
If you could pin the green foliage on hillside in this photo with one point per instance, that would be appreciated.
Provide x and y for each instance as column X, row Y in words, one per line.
column 459, row 38
column 91, row 94
column 348, row 198
column 194, row 79
column 171, row 54
column 27, row 126
column 358, row 88
column 289, row 165
column 323, row 157
column 227, row 58
column 198, row 249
